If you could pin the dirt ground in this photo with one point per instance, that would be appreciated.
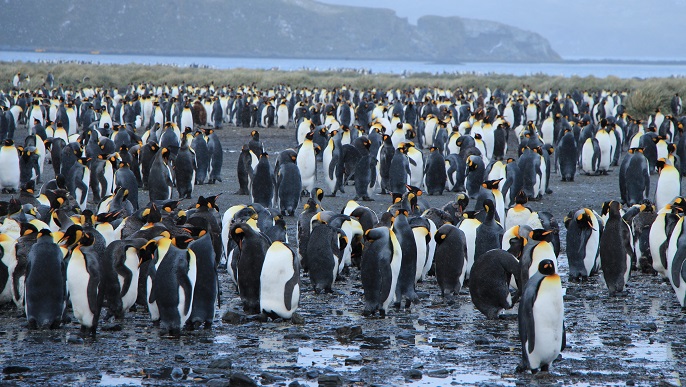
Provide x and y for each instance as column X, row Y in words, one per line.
column 639, row 339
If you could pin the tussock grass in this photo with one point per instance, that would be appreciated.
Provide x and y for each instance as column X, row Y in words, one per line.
column 644, row 94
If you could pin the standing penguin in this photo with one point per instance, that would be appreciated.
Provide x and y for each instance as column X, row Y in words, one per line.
column 45, row 284
column 280, row 282
column 489, row 234
column 262, row 188
column 583, row 243
column 541, row 319
column 399, row 171
column 253, row 248
column 615, row 250
column 634, row 177
column 216, row 153
column 661, row 231
column 379, row 270
column 84, row 277
column 160, row 176
column 202, row 155
column 451, row 260
column 306, row 162
column 408, row 266
column 171, row 280
column 184, row 169
column 10, row 172
column 489, row 282
column 668, row 184
column 324, row 255
column 435, row 175
column 567, row 155
column 289, row 183
column 78, row 181
column 206, row 289
column 590, row 156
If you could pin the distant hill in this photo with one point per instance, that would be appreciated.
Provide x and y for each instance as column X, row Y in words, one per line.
column 259, row 28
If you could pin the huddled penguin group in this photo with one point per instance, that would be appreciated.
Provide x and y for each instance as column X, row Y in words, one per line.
column 85, row 241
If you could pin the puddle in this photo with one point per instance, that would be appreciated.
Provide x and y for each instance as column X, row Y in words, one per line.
column 116, row 380
column 333, row 356
column 652, row 356
column 224, row 339
column 462, row 377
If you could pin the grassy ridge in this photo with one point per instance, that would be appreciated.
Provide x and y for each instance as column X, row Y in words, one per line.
column 644, row 95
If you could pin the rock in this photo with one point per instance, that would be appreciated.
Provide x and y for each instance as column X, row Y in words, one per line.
column 347, row 333
column 414, row 374
column 112, row 328
column 233, row 317
column 330, row 380
column 223, row 363
column 176, row 374
column 178, row 357
column 268, row 378
column 439, row 373
column 297, row 319
column 15, row 370
column 294, row 384
column 311, row 374
column 353, row 360
column 218, row 383
column 74, row 340
column 649, row 327
column 630, row 383
column 239, row 379
column 482, row 341
column 296, row 336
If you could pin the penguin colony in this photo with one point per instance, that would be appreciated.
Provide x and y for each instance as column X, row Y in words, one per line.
column 83, row 242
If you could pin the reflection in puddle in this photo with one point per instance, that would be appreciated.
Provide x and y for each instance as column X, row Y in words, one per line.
column 653, row 355
column 333, row 356
column 116, row 380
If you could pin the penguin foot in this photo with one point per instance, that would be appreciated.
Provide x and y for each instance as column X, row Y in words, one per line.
column 521, row 368
column 367, row 199
column 548, row 191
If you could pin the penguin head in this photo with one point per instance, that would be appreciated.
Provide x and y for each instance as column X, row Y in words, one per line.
column 521, row 198
column 181, row 241
column 584, row 218
column 87, row 239
column 8, row 142
column 679, row 204
column 73, row 234
column 546, row 267
column 541, row 235
column 318, row 194
column 660, row 164
column 489, row 206
column 44, row 233
column 492, row 184
column 401, row 211
column 462, row 201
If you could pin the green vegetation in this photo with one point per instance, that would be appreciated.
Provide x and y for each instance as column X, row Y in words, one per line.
column 644, row 95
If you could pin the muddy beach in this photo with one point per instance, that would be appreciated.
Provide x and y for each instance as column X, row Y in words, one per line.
column 638, row 339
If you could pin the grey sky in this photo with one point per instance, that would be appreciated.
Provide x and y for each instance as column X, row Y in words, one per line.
column 628, row 29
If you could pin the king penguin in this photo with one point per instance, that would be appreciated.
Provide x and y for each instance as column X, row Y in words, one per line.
column 541, row 319
column 280, row 282
column 615, row 250
column 379, row 270
column 668, row 184
column 489, row 282
column 45, row 284
column 84, row 276
column 451, row 260
column 583, row 243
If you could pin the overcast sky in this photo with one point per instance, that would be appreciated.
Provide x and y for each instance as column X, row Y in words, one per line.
column 626, row 29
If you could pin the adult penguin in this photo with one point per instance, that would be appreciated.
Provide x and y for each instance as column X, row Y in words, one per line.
column 416, row 160
column 380, row 266
column 126, row 179
column 10, row 173
column 519, row 214
column 8, row 263
column 262, row 189
column 676, row 258
column 385, row 158
column 365, row 171
column 529, row 163
column 160, row 176
column 84, row 283
column 583, row 244
column 455, row 169
column 567, row 155
column 120, row 267
column 590, row 156
column 476, row 171
column 45, row 289
column 146, row 157
column 206, row 289
column 399, row 171
column 185, row 167
column 634, row 177
column 489, row 282
column 661, row 231
column 489, row 234
column 450, row 258
column 324, row 254
column 280, row 282
column 252, row 247
column 469, row 224
column 202, row 157
column 171, row 280
column 408, row 267
column 216, row 153
column 615, row 250
column 435, row 175
column 78, row 181
column 310, row 209
column 668, row 184
column 306, row 162
column 289, row 186
column 541, row 319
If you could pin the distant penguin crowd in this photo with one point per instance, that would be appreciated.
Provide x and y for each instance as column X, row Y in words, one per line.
column 85, row 241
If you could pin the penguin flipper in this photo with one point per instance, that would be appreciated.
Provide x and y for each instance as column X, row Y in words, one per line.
column 332, row 165
column 185, row 284
column 152, row 297
column 124, row 271
column 93, row 296
column 564, row 337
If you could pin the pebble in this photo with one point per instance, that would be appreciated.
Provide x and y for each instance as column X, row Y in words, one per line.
column 353, row 360
column 74, row 340
column 268, row 378
column 15, row 370
column 346, row 333
column 330, row 380
column 176, row 374
column 481, row 341
column 297, row 319
column 413, row 374
column 649, row 327
column 439, row 373
column 218, row 383
column 312, row 374
column 223, row 363
column 233, row 317
column 239, row 379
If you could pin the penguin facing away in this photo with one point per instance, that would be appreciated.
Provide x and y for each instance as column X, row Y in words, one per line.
column 451, row 260
column 615, row 250
column 45, row 284
column 379, row 270
column 489, row 282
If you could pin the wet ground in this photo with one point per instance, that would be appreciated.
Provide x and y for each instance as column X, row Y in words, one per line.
column 638, row 339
